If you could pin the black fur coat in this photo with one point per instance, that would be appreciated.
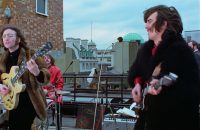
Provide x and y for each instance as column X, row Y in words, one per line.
column 176, row 107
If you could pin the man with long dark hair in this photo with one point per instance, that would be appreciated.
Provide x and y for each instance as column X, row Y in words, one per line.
column 32, row 101
column 173, row 107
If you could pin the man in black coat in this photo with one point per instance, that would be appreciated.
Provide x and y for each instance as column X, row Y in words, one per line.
column 173, row 107
column 194, row 46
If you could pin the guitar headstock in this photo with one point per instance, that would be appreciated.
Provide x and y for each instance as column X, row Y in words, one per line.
column 44, row 49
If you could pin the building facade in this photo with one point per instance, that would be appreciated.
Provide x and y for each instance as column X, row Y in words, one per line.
column 84, row 53
column 124, row 54
column 192, row 35
column 39, row 20
column 105, row 58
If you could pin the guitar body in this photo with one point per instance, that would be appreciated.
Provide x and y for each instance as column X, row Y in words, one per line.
column 10, row 100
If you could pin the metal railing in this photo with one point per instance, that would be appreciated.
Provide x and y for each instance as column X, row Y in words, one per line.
column 111, row 87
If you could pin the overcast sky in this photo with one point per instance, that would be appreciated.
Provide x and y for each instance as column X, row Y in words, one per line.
column 113, row 18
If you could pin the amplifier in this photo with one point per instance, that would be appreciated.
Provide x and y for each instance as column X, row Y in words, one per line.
column 122, row 123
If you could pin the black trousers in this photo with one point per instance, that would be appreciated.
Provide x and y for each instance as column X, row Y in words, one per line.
column 19, row 120
column 22, row 117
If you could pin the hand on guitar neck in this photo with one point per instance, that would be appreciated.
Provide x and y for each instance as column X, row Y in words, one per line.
column 155, row 86
column 152, row 89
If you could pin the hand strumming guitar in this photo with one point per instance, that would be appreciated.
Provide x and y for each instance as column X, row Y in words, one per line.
column 4, row 89
column 136, row 93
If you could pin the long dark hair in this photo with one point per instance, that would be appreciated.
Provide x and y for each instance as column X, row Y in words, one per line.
column 19, row 35
column 168, row 14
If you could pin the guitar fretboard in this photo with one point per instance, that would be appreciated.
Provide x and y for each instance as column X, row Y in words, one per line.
column 22, row 69
column 23, row 66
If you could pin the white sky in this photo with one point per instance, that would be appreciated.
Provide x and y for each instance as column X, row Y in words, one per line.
column 113, row 18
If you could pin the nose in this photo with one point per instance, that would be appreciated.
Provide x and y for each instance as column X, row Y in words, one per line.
column 145, row 25
column 6, row 38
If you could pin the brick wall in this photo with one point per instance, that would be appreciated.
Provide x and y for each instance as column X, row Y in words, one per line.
column 36, row 28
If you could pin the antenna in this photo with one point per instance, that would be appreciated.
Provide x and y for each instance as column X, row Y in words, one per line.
column 91, row 30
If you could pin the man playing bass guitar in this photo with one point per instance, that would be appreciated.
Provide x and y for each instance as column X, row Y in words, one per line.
column 167, row 108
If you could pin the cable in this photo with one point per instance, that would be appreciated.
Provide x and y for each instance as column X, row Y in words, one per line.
column 98, row 86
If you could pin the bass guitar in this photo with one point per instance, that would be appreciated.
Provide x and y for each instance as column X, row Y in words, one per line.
column 13, row 81
column 166, row 81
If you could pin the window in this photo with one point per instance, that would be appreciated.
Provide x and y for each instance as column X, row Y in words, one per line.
column 41, row 7
column 109, row 59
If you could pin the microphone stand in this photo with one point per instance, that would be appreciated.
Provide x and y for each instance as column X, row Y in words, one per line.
column 56, row 108
column 68, row 66
column 98, row 87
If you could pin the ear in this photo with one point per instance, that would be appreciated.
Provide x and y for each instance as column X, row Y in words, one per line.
column 18, row 40
column 164, row 27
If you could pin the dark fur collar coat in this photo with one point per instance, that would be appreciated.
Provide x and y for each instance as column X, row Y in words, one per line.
column 176, row 107
column 33, row 87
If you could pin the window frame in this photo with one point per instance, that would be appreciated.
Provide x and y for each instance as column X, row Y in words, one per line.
column 45, row 8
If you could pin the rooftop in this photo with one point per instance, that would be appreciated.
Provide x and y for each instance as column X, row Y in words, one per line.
column 133, row 37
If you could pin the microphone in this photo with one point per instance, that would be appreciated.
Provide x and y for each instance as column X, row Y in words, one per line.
column 71, row 62
column 68, row 66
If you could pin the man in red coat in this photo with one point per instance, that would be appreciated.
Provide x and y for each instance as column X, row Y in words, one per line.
column 55, row 84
